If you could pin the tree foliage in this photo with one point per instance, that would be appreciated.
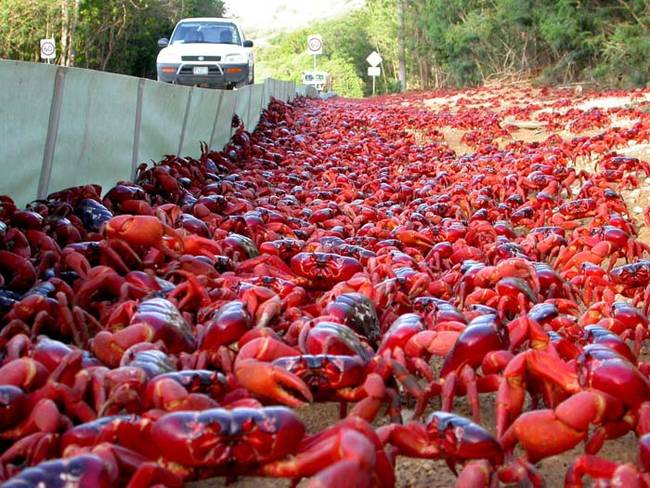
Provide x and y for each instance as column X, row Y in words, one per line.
column 557, row 41
column 449, row 42
column 112, row 35
column 343, row 43
column 468, row 42
column 23, row 23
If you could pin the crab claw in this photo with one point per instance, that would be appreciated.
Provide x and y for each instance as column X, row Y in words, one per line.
column 414, row 238
column 144, row 230
column 32, row 449
column 272, row 382
column 476, row 473
column 140, row 230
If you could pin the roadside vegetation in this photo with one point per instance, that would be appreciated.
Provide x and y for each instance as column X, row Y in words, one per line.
column 450, row 43
column 455, row 43
column 109, row 35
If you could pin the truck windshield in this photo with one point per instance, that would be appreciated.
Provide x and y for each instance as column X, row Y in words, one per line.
column 205, row 33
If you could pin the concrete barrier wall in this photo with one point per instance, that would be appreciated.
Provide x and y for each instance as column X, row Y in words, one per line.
column 61, row 127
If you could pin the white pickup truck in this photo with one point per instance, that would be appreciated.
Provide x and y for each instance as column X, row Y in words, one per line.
column 210, row 52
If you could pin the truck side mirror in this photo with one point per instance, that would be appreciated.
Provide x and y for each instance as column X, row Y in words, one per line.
column 248, row 43
column 164, row 42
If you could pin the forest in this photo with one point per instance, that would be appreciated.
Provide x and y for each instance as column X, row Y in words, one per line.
column 456, row 43
column 446, row 43
column 109, row 35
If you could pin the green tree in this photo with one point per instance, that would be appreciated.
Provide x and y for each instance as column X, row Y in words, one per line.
column 121, row 35
column 202, row 8
column 345, row 47
column 449, row 42
column 625, row 59
column 112, row 35
column 23, row 23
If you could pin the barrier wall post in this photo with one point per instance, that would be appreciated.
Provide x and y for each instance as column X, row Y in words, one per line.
column 216, row 118
column 187, row 114
column 200, row 121
column 95, row 135
column 25, row 112
column 249, row 118
column 52, row 133
column 163, row 109
column 136, row 130
column 223, row 128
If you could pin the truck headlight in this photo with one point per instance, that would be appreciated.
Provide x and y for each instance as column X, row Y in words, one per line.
column 235, row 59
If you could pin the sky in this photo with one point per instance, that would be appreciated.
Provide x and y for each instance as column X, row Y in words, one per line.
column 265, row 17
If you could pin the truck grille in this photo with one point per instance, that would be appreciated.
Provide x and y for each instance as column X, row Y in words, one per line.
column 188, row 70
column 205, row 58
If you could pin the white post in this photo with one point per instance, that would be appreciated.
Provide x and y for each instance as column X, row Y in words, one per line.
column 374, row 60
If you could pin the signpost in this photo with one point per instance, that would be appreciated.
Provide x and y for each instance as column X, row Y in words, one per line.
column 48, row 49
column 321, row 80
column 315, row 47
column 374, row 60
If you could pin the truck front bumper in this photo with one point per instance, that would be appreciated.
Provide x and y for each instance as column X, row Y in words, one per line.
column 218, row 76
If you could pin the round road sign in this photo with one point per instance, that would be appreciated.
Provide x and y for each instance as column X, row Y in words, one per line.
column 48, row 49
column 315, row 45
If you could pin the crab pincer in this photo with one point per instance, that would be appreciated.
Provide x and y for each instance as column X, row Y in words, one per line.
column 255, row 372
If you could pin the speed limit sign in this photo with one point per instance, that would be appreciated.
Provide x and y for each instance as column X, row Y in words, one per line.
column 315, row 45
column 48, row 49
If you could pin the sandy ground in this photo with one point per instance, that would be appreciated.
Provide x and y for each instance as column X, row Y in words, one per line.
column 530, row 129
column 427, row 473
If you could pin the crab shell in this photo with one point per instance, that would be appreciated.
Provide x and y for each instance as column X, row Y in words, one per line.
column 219, row 437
